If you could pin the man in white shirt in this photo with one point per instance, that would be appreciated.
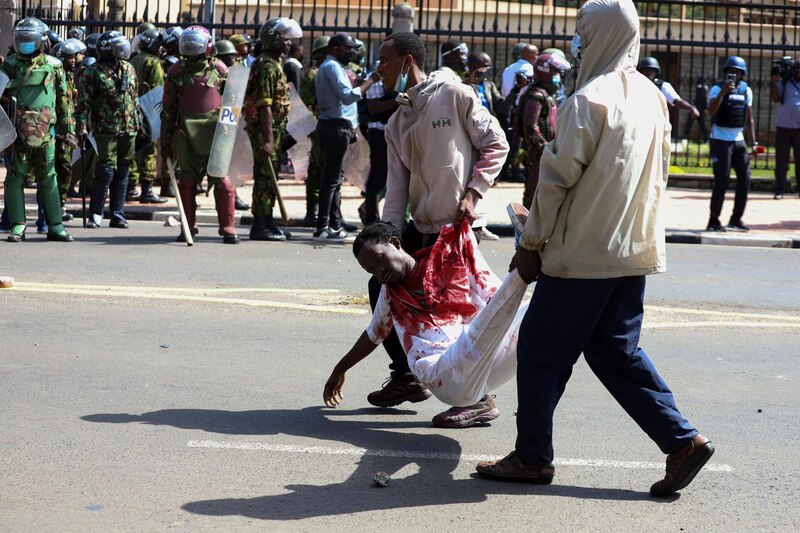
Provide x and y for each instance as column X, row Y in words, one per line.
column 524, row 63
column 651, row 69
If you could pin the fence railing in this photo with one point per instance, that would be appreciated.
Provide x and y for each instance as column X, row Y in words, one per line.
column 691, row 39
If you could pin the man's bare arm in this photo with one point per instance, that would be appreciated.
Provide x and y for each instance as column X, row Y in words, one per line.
column 332, row 395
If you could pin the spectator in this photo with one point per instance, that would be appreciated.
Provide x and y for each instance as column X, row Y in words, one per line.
column 651, row 69
column 293, row 65
column 701, row 103
column 381, row 106
column 454, row 59
column 524, row 63
column 593, row 233
column 731, row 108
column 336, row 129
column 444, row 152
column 786, row 93
column 479, row 78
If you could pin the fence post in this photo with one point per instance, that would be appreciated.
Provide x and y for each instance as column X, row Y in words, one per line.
column 403, row 18
column 209, row 14
column 8, row 13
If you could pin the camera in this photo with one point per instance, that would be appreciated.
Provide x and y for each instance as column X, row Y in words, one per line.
column 784, row 67
column 520, row 78
column 731, row 77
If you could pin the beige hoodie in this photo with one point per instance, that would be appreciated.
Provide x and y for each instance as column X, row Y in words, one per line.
column 596, row 212
column 441, row 141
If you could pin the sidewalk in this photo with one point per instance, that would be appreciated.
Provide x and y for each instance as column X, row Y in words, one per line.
column 774, row 223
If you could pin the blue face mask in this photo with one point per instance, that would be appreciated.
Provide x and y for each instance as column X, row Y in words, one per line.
column 557, row 80
column 402, row 80
column 27, row 49
column 575, row 46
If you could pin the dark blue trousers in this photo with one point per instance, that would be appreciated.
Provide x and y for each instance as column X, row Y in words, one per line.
column 603, row 319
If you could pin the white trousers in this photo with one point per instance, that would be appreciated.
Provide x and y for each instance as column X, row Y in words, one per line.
column 485, row 355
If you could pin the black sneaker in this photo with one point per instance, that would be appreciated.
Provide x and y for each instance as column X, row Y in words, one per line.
column 715, row 227
column 738, row 225
column 396, row 391
column 464, row 417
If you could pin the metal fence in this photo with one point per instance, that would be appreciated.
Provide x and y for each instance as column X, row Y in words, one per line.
column 691, row 39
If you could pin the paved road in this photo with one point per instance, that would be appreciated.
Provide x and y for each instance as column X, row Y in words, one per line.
column 150, row 386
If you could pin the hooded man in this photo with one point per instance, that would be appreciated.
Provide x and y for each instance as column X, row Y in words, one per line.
column 593, row 233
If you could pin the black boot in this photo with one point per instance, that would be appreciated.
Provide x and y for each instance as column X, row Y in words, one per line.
column 166, row 188
column 148, row 196
column 132, row 193
column 240, row 204
column 264, row 229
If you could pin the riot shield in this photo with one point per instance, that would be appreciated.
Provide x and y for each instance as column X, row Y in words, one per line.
column 225, row 135
column 356, row 162
column 76, row 153
column 151, row 104
column 241, row 166
column 8, row 133
column 300, row 125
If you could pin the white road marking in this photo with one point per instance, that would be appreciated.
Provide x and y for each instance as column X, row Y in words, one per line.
column 413, row 454
column 723, row 324
column 180, row 290
column 757, row 316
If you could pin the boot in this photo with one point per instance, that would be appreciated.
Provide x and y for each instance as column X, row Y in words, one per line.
column 310, row 219
column 132, row 194
column 166, row 188
column 186, row 188
column 264, row 229
column 224, row 194
column 240, row 204
column 148, row 196
column 117, row 193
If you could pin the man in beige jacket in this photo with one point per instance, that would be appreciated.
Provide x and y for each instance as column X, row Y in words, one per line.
column 444, row 151
column 595, row 230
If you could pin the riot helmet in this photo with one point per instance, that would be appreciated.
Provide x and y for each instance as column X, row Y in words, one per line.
column 195, row 41
column 29, row 36
column 320, row 45
column 145, row 26
column 78, row 32
column 275, row 30
column 649, row 62
column 112, row 44
column 150, row 41
column 737, row 63
column 224, row 47
column 171, row 38
column 69, row 47
column 91, row 44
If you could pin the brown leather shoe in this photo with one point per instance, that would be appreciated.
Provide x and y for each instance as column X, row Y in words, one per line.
column 683, row 465
column 512, row 468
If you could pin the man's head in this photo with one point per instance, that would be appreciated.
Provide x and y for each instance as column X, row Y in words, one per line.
column 516, row 52
column 319, row 48
column 296, row 51
column 649, row 67
column 226, row 52
column 242, row 43
column 401, row 54
column 480, row 64
column 454, row 55
column 529, row 53
column 737, row 66
column 378, row 249
column 342, row 46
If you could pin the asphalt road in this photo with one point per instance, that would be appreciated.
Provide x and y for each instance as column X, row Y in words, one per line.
column 149, row 386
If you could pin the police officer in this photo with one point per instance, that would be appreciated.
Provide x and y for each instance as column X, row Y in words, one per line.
column 651, row 69
column 243, row 44
column 267, row 109
column 67, row 51
column 308, row 93
column 192, row 98
column 39, row 112
column 730, row 105
column 226, row 52
column 150, row 74
column 108, row 99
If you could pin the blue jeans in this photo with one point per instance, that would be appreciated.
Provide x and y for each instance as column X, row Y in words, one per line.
column 603, row 319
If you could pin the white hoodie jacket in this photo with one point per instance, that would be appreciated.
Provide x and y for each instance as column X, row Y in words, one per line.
column 596, row 212
column 441, row 141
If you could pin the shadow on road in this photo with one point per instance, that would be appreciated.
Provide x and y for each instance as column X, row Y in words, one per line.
column 433, row 484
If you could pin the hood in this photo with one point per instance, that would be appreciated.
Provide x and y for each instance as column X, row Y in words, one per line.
column 418, row 95
column 609, row 31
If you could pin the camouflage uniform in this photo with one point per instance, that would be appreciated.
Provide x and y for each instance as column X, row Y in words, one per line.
column 150, row 74
column 535, row 135
column 108, row 98
column 308, row 93
column 40, row 118
column 63, row 148
column 267, row 87
column 192, row 98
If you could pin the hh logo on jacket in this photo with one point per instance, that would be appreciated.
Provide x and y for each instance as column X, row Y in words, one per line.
column 441, row 123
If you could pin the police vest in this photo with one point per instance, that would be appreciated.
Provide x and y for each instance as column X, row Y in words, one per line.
column 732, row 112
column 35, row 90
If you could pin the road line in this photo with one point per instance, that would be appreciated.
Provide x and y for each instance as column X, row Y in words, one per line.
column 721, row 313
column 727, row 324
column 207, row 299
column 180, row 290
column 422, row 455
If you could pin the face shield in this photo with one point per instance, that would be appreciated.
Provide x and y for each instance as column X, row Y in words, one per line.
column 27, row 41
column 120, row 48
column 193, row 44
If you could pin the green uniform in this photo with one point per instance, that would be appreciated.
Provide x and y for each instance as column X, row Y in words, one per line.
column 63, row 147
column 108, row 99
column 43, row 112
column 534, row 135
column 267, row 87
column 308, row 93
column 150, row 74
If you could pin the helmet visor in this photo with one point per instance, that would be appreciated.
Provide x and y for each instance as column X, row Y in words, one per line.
column 192, row 44
column 121, row 48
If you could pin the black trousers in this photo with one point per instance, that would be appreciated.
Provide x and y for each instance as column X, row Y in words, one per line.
column 786, row 139
column 413, row 241
column 334, row 138
column 378, row 169
column 724, row 156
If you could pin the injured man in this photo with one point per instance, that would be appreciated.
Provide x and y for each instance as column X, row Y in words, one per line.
column 457, row 322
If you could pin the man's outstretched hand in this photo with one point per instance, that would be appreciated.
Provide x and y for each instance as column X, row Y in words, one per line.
column 332, row 395
column 528, row 264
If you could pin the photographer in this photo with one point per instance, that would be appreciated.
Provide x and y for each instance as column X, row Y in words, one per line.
column 730, row 106
column 786, row 93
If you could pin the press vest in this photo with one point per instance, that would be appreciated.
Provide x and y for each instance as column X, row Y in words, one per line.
column 732, row 112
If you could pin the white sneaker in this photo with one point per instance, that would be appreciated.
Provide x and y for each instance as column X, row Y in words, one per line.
column 329, row 235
